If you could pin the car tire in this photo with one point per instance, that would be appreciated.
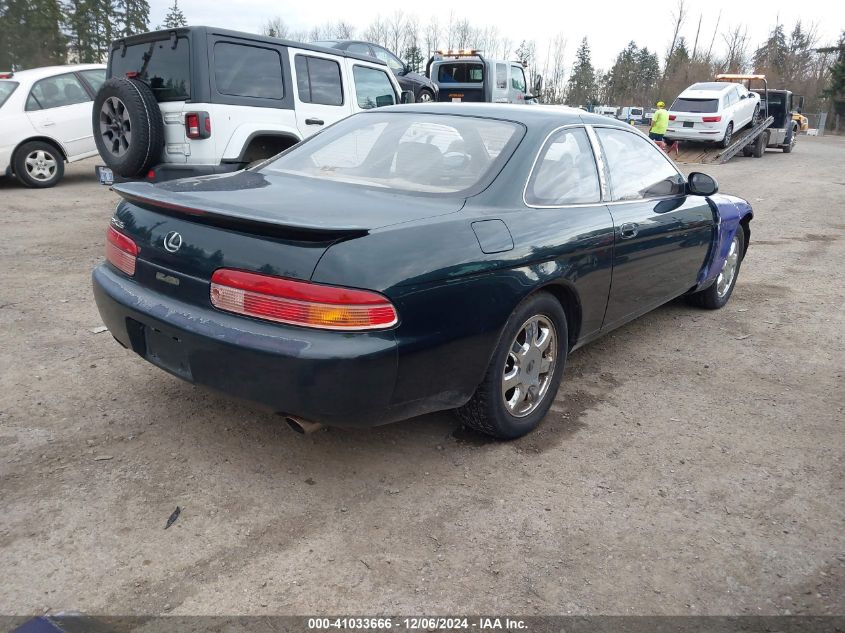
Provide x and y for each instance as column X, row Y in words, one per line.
column 729, row 132
column 759, row 147
column 425, row 96
column 491, row 410
column 747, row 151
column 717, row 294
column 128, row 128
column 38, row 164
column 787, row 149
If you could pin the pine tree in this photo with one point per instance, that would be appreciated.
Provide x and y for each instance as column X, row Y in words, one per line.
column 30, row 34
column 175, row 18
column 770, row 58
column 134, row 16
column 836, row 89
column 581, row 89
column 413, row 56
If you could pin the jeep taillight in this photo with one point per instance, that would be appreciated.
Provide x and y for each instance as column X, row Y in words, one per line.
column 121, row 251
column 300, row 302
column 197, row 125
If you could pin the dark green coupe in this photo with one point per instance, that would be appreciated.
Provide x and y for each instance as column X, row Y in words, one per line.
column 413, row 259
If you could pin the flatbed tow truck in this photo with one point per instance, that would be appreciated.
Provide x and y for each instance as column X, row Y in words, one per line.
column 772, row 129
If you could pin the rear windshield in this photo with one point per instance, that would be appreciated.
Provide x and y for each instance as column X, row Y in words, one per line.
column 460, row 73
column 426, row 153
column 6, row 90
column 162, row 67
column 695, row 105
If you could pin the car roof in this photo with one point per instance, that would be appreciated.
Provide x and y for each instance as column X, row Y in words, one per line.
column 34, row 74
column 528, row 114
column 715, row 86
column 242, row 35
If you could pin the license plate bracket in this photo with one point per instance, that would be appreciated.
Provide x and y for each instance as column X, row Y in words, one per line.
column 104, row 174
column 167, row 351
column 688, row 123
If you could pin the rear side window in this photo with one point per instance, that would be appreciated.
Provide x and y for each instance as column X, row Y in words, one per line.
column 501, row 76
column 695, row 105
column 6, row 90
column 460, row 73
column 372, row 88
column 94, row 78
column 318, row 80
column 565, row 172
column 248, row 71
column 165, row 69
column 637, row 169
column 55, row 92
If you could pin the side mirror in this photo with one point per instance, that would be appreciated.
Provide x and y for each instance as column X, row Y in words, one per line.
column 743, row 96
column 699, row 184
column 407, row 97
column 406, row 69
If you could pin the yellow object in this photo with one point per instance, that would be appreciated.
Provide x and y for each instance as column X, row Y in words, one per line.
column 735, row 77
column 660, row 104
column 660, row 121
column 803, row 122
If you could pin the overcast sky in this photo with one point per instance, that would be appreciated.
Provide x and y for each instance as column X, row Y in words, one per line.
column 609, row 24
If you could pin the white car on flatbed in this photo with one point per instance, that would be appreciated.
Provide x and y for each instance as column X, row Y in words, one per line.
column 712, row 111
column 45, row 120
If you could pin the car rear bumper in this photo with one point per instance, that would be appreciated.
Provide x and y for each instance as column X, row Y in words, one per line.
column 692, row 134
column 334, row 378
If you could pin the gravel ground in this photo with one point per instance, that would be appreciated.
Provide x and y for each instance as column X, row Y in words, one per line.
column 692, row 462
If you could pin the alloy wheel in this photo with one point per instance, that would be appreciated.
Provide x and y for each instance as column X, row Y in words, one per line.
column 115, row 126
column 726, row 276
column 41, row 165
column 529, row 366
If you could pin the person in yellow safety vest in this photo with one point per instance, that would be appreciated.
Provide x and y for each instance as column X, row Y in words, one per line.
column 659, row 123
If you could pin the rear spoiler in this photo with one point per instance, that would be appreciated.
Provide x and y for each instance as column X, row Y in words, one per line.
column 177, row 204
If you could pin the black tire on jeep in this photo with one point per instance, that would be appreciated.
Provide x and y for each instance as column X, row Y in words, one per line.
column 128, row 127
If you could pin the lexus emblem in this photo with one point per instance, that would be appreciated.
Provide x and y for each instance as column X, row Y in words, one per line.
column 172, row 242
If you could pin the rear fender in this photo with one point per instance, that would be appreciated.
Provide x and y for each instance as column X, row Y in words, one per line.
column 729, row 212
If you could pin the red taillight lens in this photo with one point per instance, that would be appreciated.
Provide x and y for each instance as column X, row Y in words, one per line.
column 121, row 251
column 300, row 302
column 711, row 119
column 192, row 125
column 672, row 117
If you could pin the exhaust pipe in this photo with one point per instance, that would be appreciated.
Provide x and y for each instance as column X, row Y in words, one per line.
column 301, row 426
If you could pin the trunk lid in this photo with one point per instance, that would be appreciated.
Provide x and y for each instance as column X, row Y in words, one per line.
column 274, row 224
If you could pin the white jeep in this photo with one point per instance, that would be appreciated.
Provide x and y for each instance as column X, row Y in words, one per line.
column 200, row 100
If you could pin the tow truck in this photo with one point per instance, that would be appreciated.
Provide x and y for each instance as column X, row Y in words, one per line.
column 466, row 75
column 774, row 127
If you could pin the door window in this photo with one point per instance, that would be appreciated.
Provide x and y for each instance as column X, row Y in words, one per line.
column 460, row 73
column 373, row 88
column 55, row 92
column 517, row 79
column 165, row 69
column 248, row 71
column 565, row 172
column 390, row 59
column 318, row 80
column 636, row 168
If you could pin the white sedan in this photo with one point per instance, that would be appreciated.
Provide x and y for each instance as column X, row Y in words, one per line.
column 712, row 111
column 45, row 118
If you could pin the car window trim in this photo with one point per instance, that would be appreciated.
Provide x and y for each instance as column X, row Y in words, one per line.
column 613, row 202
column 599, row 167
column 84, row 81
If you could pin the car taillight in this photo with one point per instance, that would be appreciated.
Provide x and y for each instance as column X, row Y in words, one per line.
column 672, row 117
column 121, row 251
column 300, row 302
column 192, row 125
column 197, row 125
column 711, row 119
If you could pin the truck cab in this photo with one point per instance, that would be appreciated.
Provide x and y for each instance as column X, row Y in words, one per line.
column 467, row 76
column 783, row 131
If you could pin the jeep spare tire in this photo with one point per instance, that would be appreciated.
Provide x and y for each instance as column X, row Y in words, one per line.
column 128, row 127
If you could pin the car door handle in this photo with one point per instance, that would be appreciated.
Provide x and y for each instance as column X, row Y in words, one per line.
column 48, row 123
column 314, row 122
column 629, row 230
